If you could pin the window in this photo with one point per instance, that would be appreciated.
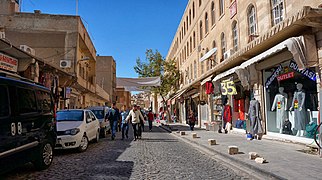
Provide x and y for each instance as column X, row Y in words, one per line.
column 44, row 101
column 189, row 16
column 277, row 11
column 190, row 44
column 187, row 20
column 206, row 23
column 223, row 44
column 212, row 13
column 221, row 7
column 4, row 99
column 193, row 10
column 200, row 29
column 200, row 1
column 188, row 52
column 251, row 15
column 27, row 102
column 213, row 44
column 184, row 28
column 235, row 36
column 195, row 69
column 194, row 40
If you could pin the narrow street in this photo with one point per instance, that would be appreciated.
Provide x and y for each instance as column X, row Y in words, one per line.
column 158, row 155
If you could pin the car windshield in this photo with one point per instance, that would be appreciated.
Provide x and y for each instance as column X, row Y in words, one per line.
column 70, row 115
column 98, row 113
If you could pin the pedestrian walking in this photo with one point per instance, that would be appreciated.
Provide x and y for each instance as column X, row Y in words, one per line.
column 134, row 117
column 191, row 120
column 113, row 116
column 142, row 120
column 124, row 122
column 150, row 119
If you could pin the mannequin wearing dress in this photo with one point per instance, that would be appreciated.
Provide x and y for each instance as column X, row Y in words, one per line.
column 300, row 117
column 280, row 103
column 255, row 118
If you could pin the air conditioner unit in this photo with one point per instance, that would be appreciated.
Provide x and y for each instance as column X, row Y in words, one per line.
column 27, row 49
column 2, row 35
column 228, row 53
column 65, row 63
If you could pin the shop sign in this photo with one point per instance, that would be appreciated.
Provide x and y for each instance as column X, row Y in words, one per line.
column 228, row 87
column 8, row 63
column 306, row 72
column 273, row 76
column 233, row 9
column 285, row 76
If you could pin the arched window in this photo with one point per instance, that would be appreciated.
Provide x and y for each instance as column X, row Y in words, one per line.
column 193, row 10
column 188, row 52
column 212, row 13
column 200, row 1
column 201, row 29
column 206, row 23
column 190, row 44
column 213, row 44
column 277, row 11
column 251, row 16
column 221, row 7
column 194, row 39
column 189, row 16
column 235, row 35
column 184, row 28
column 187, row 20
column 223, row 44
column 195, row 69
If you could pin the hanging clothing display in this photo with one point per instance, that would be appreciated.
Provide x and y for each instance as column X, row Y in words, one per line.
column 227, row 114
column 209, row 87
column 255, row 118
column 239, row 106
column 280, row 105
column 300, row 117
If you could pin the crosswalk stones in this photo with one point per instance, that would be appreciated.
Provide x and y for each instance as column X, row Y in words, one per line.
column 253, row 155
column 232, row 150
column 211, row 142
column 182, row 133
column 194, row 135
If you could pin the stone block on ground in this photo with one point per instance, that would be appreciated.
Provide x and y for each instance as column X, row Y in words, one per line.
column 253, row 155
column 232, row 150
column 182, row 133
column 260, row 160
column 194, row 135
column 211, row 142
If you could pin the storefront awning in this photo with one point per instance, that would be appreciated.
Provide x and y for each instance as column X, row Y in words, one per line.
column 178, row 94
column 206, row 80
column 294, row 44
column 226, row 73
column 208, row 54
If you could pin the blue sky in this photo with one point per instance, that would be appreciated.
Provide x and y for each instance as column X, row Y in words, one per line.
column 123, row 29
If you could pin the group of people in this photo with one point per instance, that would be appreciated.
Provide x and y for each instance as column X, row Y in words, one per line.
column 135, row 116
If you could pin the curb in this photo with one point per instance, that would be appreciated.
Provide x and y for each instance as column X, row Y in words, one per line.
column 237, row 161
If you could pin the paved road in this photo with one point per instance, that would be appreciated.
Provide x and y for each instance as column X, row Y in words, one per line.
column 158, row 155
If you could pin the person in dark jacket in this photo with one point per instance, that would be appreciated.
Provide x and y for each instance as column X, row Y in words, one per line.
column 113, row 116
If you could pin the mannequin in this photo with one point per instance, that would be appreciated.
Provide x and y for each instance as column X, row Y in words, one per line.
column 255, row 118
column 280, row 102
column 300, row 119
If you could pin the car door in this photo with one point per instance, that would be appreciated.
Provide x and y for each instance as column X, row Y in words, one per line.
column 8, row 129
column 89, row 125
column 95, row 122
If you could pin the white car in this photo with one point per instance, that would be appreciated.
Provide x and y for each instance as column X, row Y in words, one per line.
column 75, row 128
column 100, row 113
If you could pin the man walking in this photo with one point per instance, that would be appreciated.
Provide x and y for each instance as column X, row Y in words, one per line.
column 150, row 119
column 124, row 122
column 113, row 116
column 134, row 117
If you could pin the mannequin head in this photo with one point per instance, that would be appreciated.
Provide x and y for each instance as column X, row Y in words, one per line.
column 299, row 86
column 281, row 90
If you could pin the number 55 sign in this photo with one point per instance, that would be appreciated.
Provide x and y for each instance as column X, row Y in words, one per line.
column 228, row 87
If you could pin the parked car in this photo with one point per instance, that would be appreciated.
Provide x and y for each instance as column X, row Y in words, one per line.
column 27, row 124
column 100, row 112
column 75, row 128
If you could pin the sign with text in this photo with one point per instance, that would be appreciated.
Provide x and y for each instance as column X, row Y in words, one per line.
column 228, row 87
column 285, row 76
column 305, row 72
column 273, row 76
column 8, row 63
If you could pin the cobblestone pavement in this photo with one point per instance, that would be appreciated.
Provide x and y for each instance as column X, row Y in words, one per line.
column 158, row 155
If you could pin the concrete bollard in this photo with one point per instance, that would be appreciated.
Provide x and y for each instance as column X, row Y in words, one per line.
column 260, row 160
column 211, row 142
column 232, row 150
column 194, row 135
column 253, row 155
column 182, row 133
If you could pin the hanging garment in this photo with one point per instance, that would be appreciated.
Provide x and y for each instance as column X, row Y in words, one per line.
column 227, row 115
column 255, row 118
column 209, row 87
column 300, row 117
column 280, row 105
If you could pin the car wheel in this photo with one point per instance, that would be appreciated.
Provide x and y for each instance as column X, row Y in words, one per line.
column 97, row 136
column 44, row 156
column 83, row 145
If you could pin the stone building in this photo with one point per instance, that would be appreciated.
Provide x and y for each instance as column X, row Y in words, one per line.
column 123, row 97
column 61, row 41
column 234, row 51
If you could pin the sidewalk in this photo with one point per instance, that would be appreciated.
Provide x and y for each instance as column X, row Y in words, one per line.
column 285, row 160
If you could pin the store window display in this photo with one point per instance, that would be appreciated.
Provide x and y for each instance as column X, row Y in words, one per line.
column 280, row 104
column 300, row 113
